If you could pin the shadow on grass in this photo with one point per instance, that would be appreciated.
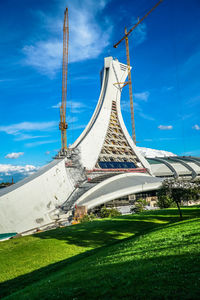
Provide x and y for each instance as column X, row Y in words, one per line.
column 169, row 277
column 95, row 234
column 101, row 276
column 101, row 232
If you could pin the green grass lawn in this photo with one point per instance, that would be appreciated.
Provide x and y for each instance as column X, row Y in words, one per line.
column 152, row 255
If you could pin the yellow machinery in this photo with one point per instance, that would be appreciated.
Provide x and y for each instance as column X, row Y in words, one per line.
column 125, row 37
column 63, row 124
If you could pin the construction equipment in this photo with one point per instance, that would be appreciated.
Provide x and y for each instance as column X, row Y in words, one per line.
column 125, row 37
column 63, row 124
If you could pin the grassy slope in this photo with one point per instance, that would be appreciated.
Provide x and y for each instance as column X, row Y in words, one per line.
column 159, row 256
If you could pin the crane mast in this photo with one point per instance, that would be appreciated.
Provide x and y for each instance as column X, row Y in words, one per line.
column 125, row 37
column 63, row 124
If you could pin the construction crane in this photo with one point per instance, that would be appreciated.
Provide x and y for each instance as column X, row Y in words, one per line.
column 63, row 124
column 125, row 37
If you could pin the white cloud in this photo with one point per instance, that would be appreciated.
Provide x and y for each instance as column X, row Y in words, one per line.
column 193, row 100
column 185, row 117
column 148, row 140
column 4, row 80
column 22, row 137
column 160, row 139
column 145, row 116
column 193, row 62
column 88, row 77
column 192, row 153
column 142, row 96
column 76, row 127
column 14, row 155
column 85, row 37
column 71, row 119
column 140, row 33
column 196, row 127
column 165, row 127
column 38, row 143
column 56, row 105
column 45, row 56
column 73, row 106
column 125, row 106
column 19, row 130
column 16, row 129
column 8, row 169
column 167, row 88
column 167, row 139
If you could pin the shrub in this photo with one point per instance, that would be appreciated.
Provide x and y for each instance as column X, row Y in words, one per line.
column 109, row 213
column 87, row 218
column 139, row 205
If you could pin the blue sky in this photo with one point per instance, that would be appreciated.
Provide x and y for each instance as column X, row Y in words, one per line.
column 164, row 52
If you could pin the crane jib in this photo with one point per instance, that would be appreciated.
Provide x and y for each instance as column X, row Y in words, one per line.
column 134, row 26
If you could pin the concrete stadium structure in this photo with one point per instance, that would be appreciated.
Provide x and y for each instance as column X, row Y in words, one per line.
column 185, row 167
column 103, row 164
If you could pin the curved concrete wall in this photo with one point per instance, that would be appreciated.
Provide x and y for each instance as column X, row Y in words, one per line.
column 31, row 202
column 118, row 186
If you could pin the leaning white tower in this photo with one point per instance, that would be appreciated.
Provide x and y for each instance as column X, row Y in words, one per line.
column 105, row 143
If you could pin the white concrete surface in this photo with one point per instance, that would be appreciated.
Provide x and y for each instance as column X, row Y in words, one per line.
column 31, row 202
column 92, row 139
column 118, row 186
column 184, row 168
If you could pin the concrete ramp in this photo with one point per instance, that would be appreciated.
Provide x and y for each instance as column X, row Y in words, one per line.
column 118, row 186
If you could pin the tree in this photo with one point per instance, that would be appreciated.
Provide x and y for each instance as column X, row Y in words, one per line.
column 180, row 190
column 164, row 199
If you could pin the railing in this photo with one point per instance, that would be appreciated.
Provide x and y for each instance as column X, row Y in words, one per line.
column 135, row 170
